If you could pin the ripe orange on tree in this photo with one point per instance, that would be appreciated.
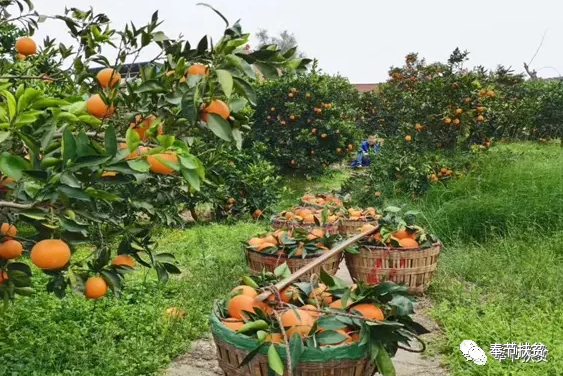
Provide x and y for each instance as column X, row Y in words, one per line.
column 480, row 109
column 324, row 135
column 96, row 107
column 480, row 118
column 20, row 57
column 458, row 111
column 408, row 138
column 456, row 121
column 8, row 230
column 196, row 69
column 26, row 46
column 447, row 121
column 142, row 125
column 3, row 276
column 95, row 288
column 50, row 254
column 158, row 167
column 106, row 75
column 11, row 249
column 218, row 107
column 257, row 214
column 124, row 260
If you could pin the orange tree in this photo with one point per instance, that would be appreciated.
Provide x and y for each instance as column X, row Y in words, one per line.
column 306, row 122
column 72, row 150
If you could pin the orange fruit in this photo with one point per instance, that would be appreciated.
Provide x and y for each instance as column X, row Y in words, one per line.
column 175, row 312
column 369, row 310
column 447, row 121
column 408, row 243
column 8, row 230
column 241, row 303
column 255, row 242
column 309, row 218
column 367, row 227
column 377, row 194
column 218, row 107
column 402, row 234
column 124, row 260
column 158, row 167
column 290, row 294
column 196, row 69
column 50, row 254
column 20, row 57
column 245, row 290
column 106, row 75
column 270, row 239
column 316, row 233
column 11, row 249
column 108, row 174
column 265, row 245
column 26, row 46
column 337, row 304
column 257, row 214
column 480, row 109
column 458, row 111
column 95, row 288
column 321, row 294
column 96, row 107
column 3, row 277
column 298, row 321
column 142, row 125
column 480, row 118
column 311, row 310
column 139, row 151
column 324, row 135
column 408, row 138
column 274, row 338
column 233, row 324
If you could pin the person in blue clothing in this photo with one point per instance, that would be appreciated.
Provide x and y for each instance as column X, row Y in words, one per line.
column 369, row 146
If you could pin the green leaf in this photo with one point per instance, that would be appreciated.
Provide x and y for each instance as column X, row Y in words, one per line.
column 67, row 117
column 69, row 146
column 29, row 142
column 226, row 80
column 253, row 325
column 237, row 136
column 237, row 104
column 330, row 337
column 189, row 109
column 44, row 103
column 24, row 291
column 330, row 323
column 4, row 135
column 110, row 140
column 48, row 137
column 113, row 280
column 174, row 98
column 132, row 139
column 69, row 179
column 250, row 355
column 166, row 140
column 12, row 166
column 90, row 120
column 89, row 161
column 274, row 360
column 103, row 195
column 189, row 161
column 384, row 362
column 10, row 102
column 192, row 178
column 219, row 126
column 151, row 86
column 243, row 88
column 282, row 271
column 75, row 108
column 75, row 193
column 269, row 71
column 28, row 96
column 295, row 349
column 24, row 119
column 139, row 165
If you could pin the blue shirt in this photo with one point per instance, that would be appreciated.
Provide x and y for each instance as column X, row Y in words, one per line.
column 366, row 146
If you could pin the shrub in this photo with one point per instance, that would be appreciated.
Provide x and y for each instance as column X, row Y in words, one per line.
column 306, row 122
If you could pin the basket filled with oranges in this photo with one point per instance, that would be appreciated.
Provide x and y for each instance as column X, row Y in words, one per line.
column 321, row 328
column 353, row 219
column 400, row 251
column 307, row 218
column 321, row 200
column 295, row 247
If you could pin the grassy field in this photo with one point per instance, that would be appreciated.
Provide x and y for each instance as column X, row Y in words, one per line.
column 498, row 280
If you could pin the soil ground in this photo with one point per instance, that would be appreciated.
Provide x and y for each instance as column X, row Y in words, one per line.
column 200, row 360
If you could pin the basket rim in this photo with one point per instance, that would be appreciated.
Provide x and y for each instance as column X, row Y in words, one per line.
column 282, row 256
column 275, row 218
column 437, row 244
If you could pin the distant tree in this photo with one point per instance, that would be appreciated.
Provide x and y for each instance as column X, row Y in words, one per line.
column 285, row 40
column 9, row 33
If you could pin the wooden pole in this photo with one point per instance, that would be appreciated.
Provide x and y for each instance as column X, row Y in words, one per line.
column 316, row 262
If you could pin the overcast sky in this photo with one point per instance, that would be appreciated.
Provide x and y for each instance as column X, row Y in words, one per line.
column 362, row 39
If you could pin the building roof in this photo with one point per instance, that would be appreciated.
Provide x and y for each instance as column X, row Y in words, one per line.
column 365, row 87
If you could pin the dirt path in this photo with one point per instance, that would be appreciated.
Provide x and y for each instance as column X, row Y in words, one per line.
column 200, row 360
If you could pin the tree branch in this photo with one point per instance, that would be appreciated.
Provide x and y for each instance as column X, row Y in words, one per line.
column 533, row 73
column 15, row 205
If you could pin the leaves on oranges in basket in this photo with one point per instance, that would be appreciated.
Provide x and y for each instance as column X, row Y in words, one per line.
column 384, row 364
column 327, row 279
column 274, row 361
column 295, row 349
column 250, row 355
column 329, row 337
column 401, row 305
column 282, row 271
column 330, row 323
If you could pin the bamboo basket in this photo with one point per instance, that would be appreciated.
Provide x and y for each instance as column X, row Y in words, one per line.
column 413, row 267
column 348, row 226
column 258, row 261
column 330, row 228
column 232, row 348
column 330, row 204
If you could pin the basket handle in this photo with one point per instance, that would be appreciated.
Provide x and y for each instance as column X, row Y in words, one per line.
column 316, row 262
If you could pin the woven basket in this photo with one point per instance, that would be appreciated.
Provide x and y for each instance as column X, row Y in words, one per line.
column 258, row 261
column 348, row 226
column 229, row 358
column 330, row 228
column 414, row 267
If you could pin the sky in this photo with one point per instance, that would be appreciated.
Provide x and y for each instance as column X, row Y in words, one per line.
column 360, row 39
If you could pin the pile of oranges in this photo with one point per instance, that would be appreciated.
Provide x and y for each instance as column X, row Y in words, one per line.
column 322, row 200
column 355, row 214
column 293, row 243
column 442, row 173
column 304, row 311
column 404, row 237
column 307, row 215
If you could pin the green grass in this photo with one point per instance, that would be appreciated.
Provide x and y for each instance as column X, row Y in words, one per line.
column 42, row 335
column 499, row 277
